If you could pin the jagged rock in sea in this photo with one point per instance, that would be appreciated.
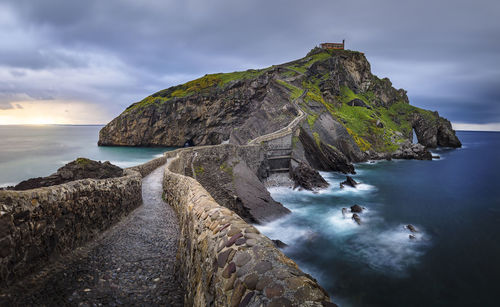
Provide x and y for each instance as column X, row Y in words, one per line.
column 306, row 177
column 81, row 168
column 356, row 218
column 411, row 228
column 348, row 181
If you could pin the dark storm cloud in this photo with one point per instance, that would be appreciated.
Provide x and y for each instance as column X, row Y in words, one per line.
column 445, row 53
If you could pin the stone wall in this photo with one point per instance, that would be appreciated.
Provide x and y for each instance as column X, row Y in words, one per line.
column 146, row 168
column 38, row 225
column 224, row 260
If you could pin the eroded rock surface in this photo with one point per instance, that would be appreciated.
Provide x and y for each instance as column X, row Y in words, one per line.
column 81, row 168
column 308, row 178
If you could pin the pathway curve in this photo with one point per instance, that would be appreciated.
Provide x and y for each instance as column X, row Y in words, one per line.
column 132, row 263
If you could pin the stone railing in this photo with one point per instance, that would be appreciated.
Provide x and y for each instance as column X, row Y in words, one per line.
column 224, row 260
column 146, row 168
column 40, row 224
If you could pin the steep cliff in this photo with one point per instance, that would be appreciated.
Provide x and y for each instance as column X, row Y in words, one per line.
column 352, row 115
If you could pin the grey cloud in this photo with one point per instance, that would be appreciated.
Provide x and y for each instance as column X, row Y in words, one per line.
column 156, row 39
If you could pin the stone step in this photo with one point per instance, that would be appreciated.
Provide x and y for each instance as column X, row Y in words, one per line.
column 280, row 170
column 279, row 157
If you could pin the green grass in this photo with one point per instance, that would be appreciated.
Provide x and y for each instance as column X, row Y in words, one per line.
column 82, row 161
column 346, row 95
column 227, row 169
column 302, row 68
column 199, row 170
column 311, row 119
column 317, row 139
column 295, row 91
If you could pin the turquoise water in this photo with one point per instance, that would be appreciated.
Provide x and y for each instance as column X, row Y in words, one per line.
column 34, row 151
column 455, row 204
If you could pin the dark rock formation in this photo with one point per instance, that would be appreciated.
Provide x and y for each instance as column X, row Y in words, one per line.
column 279, row 244
column 411, row 228
column 358, row 103
column 349, row 181
column 356, row 218
column 81, row 168
column 412, row 237
column 229, row 174
column 306, row 177
column 433, row 131
column 324, row 157
column 356, row 209
column 412, row 151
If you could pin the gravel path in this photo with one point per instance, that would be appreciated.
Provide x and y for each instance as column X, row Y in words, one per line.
column 132, row 263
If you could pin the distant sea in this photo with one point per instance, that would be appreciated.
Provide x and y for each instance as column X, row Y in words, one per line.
column 34, row 151
column 454, row 202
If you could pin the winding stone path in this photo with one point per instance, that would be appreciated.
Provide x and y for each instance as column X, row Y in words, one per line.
column 132, row 263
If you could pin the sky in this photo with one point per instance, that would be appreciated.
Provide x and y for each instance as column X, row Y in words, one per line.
column 84, row 62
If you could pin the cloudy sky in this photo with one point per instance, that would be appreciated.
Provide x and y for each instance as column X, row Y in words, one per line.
column 83, row 62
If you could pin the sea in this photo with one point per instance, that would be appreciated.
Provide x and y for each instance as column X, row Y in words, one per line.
column 35, row 151
column 453, row 202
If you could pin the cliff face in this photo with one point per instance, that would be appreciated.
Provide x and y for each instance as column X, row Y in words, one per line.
column 352, row 115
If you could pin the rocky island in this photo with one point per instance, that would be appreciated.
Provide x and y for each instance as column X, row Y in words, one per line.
column 329, row 105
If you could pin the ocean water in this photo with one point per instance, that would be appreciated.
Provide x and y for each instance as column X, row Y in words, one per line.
column 454, row 202
column 34, row 151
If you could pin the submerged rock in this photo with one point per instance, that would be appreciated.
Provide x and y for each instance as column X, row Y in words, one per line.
column 308, row 178
column 412, row 237
column 81, row 168
column 349, row 181
column 344, row 211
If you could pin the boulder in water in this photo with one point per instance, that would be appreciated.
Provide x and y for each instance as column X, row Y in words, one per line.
column 308, row 178
column 411, row 228
column 357, row 209
column 356, row 218
column 349, row 181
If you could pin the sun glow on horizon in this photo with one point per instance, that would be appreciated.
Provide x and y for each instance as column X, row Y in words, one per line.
column 43, row 112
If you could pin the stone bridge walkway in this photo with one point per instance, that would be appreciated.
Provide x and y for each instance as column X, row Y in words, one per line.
column 132, row 263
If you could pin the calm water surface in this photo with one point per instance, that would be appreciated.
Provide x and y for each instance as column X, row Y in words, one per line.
column 453, row 201
column 34, row 151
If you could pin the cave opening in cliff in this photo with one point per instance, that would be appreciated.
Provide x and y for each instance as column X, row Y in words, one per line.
column 414, row 139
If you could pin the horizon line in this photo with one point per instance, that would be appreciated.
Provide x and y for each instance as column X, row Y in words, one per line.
column 463, row 127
